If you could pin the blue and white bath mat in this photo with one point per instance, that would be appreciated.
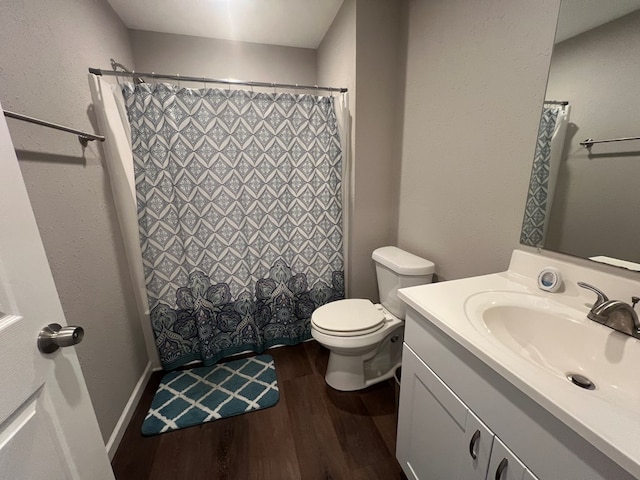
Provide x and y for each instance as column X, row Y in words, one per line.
column 191, row 397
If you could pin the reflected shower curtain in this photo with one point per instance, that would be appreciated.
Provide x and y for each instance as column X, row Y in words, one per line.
column 544, row 174
column 240, row 215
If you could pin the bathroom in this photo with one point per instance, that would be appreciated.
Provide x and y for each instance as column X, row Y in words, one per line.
column 445, row 103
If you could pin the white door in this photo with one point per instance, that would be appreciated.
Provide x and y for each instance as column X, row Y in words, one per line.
column 48, row 429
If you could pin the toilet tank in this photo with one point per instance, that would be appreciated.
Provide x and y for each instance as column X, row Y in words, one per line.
column 396, row 269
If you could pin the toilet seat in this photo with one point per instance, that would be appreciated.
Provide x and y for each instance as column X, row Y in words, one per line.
column 348, row 318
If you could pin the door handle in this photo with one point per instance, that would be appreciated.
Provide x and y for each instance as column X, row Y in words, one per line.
column 54, row 336
column 503, row 464
column 472, row 444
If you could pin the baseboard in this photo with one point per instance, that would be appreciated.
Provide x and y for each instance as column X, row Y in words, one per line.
column 127, row 413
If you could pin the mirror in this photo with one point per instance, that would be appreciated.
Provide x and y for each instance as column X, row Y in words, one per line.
column 583, row 201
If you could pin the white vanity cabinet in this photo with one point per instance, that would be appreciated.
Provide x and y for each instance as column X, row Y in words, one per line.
column 439, row 437
column 446, row 390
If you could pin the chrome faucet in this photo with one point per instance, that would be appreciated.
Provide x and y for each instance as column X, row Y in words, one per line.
column 614, row 314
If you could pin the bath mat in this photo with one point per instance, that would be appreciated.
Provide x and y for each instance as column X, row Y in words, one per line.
column 191, row 397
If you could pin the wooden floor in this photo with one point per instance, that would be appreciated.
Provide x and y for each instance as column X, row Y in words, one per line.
column 314, row 432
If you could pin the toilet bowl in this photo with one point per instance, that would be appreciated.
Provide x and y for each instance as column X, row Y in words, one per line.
column 365, row 340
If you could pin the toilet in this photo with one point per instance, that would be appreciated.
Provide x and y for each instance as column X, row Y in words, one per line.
column 365, row 340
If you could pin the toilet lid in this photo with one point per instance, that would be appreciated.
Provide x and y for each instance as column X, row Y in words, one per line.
column 354, row 316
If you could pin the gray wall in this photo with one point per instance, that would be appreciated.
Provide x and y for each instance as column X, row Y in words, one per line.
column 476, row 75
column 336, row 66
column 597, row 198
column 207, row 57
column 380, row 71
column 364, row 51
column 43, row 72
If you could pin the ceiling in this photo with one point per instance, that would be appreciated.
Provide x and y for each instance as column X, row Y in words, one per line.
column 293, row 23
column 578, row 16
column 271, row 21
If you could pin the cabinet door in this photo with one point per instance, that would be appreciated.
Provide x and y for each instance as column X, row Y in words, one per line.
column 505, row 465
column 435, row 429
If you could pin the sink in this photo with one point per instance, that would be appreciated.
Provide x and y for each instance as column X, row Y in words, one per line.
column 558, row 338
column 533, row 339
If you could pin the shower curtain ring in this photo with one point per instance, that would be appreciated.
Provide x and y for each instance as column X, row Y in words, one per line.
column 178, row 75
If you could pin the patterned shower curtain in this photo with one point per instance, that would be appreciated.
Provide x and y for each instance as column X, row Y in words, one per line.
column 240, row 216
column 536, row 209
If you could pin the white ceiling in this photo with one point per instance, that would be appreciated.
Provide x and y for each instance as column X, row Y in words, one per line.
column 303, row 23
column 293, row 23
column 577, row 16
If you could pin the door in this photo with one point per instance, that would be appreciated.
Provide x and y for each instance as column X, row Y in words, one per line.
column 48, row 429
column 505, row 465
column 439, row 438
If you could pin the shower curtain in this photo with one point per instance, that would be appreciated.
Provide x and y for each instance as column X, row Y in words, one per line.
column 239, row 202
column 544, row 174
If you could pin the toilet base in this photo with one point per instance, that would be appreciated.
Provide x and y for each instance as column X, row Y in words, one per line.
column 355, row 372
column 346, row 373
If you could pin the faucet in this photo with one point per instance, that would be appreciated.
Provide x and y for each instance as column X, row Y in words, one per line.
column 614, row 314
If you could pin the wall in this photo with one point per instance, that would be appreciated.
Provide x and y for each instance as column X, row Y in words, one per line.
column 363, row 51
column 43, row 72
column 207, row 57
column 380, row 70
column 597, row 195
column 336, row 66
column 476, row 75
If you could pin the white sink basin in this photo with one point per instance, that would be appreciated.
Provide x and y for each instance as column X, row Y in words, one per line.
column 560, row 339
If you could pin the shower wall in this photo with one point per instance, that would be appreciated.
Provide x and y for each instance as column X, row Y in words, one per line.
column 43, row 72
column 208, row 57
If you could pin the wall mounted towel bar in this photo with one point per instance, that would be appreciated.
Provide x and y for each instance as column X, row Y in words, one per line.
column 84, row 137
column 589, row 142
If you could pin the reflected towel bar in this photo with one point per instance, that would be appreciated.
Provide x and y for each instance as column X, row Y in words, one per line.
column 84, row 137
column 564, row 103
column 589, row 142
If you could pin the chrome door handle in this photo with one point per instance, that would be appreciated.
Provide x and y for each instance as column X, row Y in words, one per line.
column 54, row 336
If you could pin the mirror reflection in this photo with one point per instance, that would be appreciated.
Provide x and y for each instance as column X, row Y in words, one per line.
column 584, row 200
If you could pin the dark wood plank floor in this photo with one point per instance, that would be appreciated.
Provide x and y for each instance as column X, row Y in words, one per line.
column 314, row 432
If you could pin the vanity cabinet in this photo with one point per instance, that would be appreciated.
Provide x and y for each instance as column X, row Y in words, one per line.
column 447, row 394
column 439, row 437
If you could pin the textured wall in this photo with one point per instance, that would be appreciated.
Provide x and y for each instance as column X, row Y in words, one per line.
column 337, row 67
column 43, row 72
column 380, row 70
column 476, row 75
column 207, row 57
column 364, row 51
column 597, row 196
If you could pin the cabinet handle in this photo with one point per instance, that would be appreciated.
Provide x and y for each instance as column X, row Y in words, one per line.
column 472, row 444
column 501, row 468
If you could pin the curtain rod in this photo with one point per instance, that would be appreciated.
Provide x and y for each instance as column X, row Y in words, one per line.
column 178, row 78
column 84, row 137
